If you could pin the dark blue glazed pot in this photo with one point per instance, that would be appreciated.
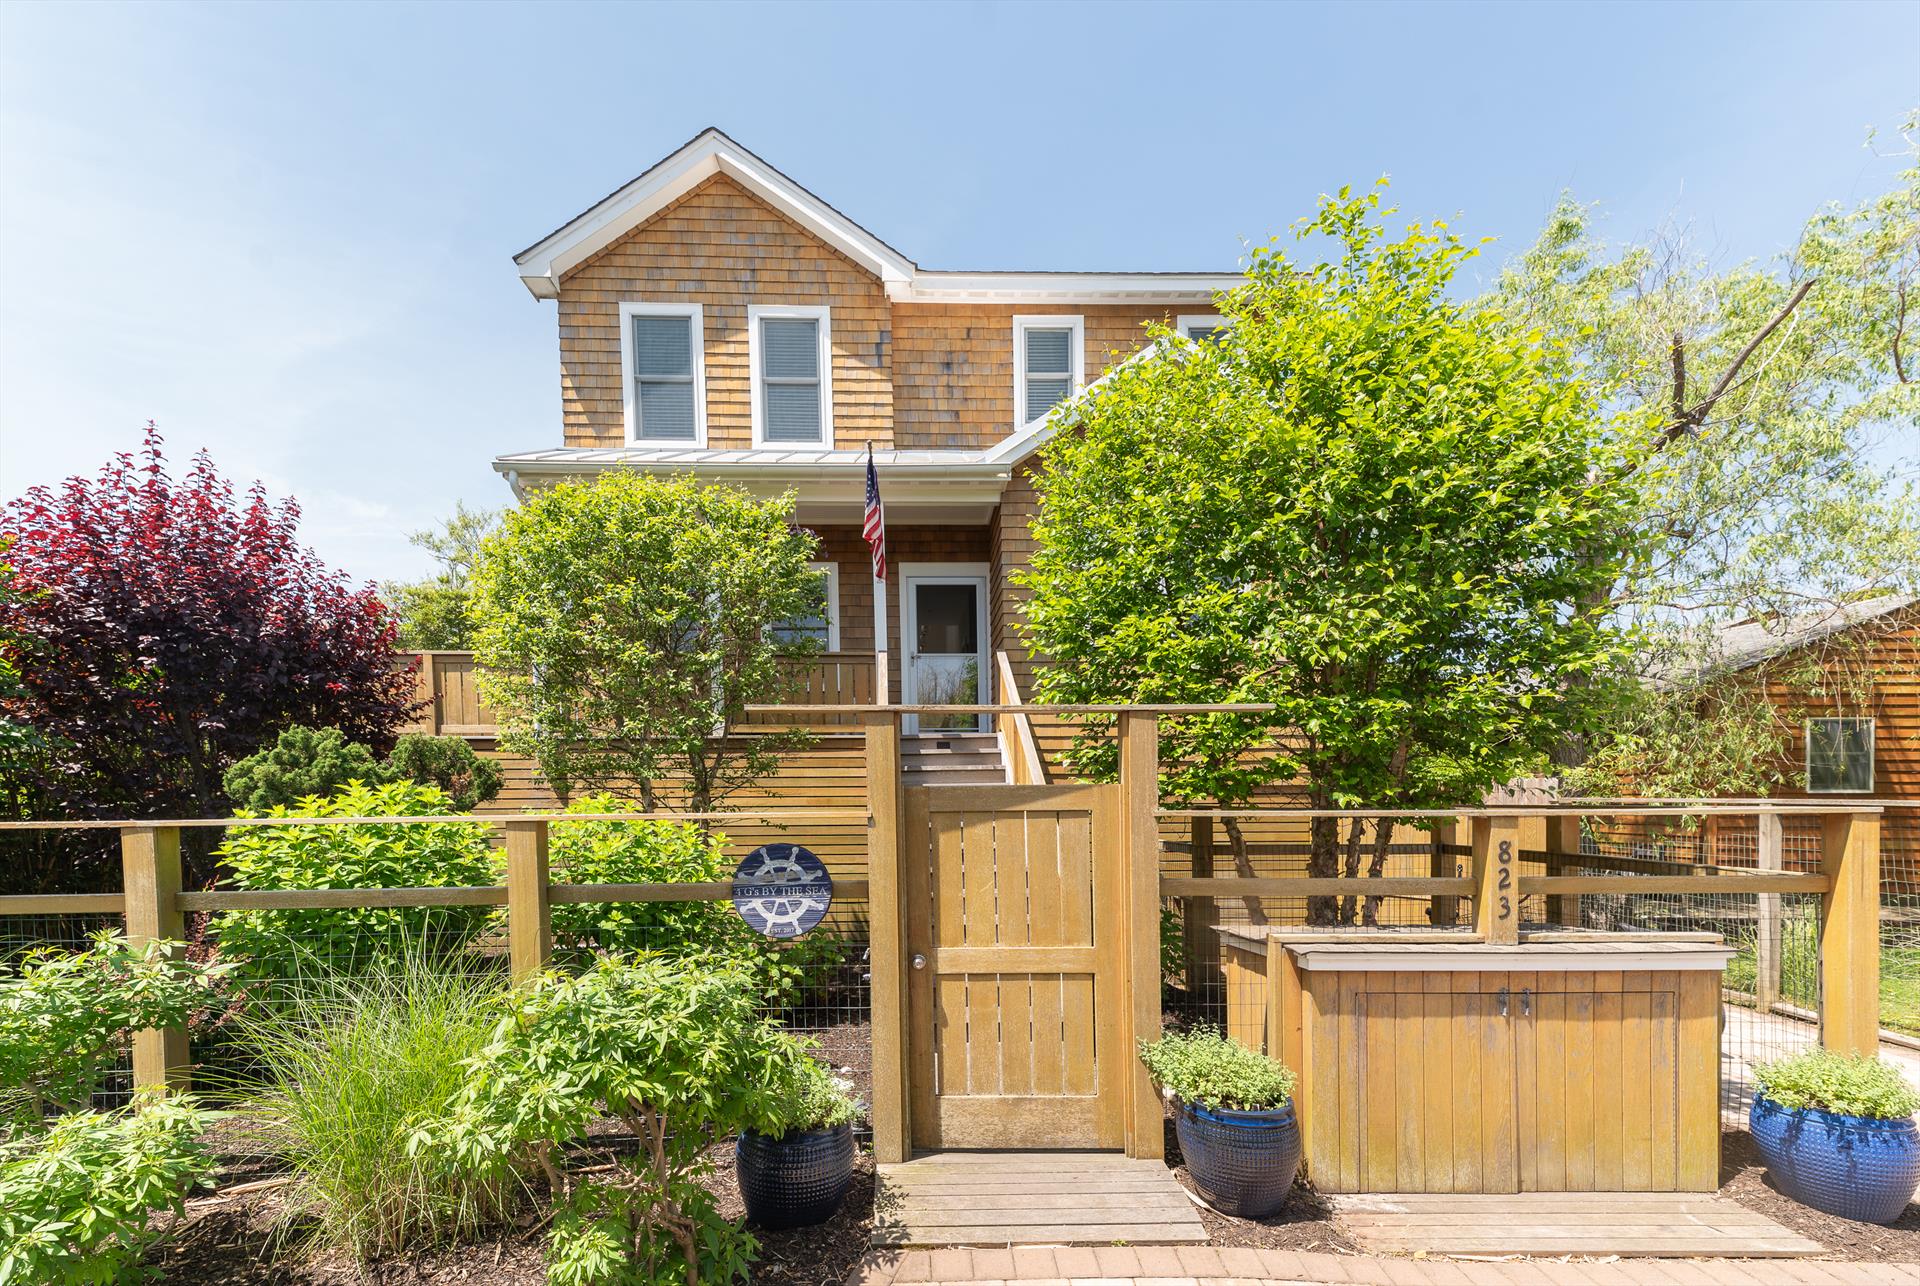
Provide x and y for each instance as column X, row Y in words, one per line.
column 797, row 1180
column 1852, row 1166
column 1242, row 1162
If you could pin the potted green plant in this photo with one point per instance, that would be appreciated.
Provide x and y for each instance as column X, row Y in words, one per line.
column 1233, row 1114
column 1837, row 1133
column 798, row 1174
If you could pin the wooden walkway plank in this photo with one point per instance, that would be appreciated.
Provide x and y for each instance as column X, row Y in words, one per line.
column 1031, row 1198
column 1681, row 1224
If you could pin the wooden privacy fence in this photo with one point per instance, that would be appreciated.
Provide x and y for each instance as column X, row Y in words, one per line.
column 982, row 926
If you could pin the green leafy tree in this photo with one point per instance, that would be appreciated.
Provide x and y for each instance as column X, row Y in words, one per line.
column 302, row 762
column 433, row 614
column 1362, row 502
column 677, row 1052
column 279, row 948
column 624, row 624
column 1784, row 400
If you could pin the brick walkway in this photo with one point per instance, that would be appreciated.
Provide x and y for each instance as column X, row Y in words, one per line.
column 1209, row 1266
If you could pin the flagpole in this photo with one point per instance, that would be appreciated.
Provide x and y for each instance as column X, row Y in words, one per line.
column 883, row 694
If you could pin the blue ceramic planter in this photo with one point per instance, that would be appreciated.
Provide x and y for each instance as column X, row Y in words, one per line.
column 797, row 1180
column 1242, row 1162
column 1851, row 1166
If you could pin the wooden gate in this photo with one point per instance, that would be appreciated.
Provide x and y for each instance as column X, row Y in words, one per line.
column 1014, row 926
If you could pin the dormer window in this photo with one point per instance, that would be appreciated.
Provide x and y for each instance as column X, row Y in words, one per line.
column 1200, row 327
column 1047, row 364
column 664, row 373
column 792, row 376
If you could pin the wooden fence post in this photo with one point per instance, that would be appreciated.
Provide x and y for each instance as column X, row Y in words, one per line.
column 150, row 869
column 1766, row 942
column 529, row 909
column 1140, row 898
column 1850, row 932
column 1442, row 911
column 1563, row 836
column 1200, row 916
column 886, row 923
column 1496, row 879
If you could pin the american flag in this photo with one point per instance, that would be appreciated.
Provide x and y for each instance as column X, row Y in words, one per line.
column 874, row 528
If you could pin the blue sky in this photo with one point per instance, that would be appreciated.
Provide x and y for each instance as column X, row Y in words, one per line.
column 284, row 231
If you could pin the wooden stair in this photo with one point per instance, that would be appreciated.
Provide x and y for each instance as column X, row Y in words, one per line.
column 952, row 759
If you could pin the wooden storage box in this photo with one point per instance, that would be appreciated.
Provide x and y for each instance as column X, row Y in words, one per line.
column 1434, row 1062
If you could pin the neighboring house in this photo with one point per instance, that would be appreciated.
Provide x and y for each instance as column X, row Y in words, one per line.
column 1847, row 680
column 716, row 318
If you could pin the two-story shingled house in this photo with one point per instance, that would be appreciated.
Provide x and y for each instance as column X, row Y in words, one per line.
column 718, row 318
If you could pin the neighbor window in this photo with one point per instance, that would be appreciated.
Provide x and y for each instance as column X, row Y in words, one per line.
column 1839, row 756
column 661, row 362
column 1046, row 364
column 792, row 382
column 822, row 624
column 1201, row 326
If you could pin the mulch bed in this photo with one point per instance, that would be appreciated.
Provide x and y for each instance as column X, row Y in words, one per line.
column 1743, row 1179
column 1305, row 1223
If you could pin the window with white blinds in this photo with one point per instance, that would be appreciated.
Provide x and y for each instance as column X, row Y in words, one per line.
column 1046, row 364
column 662, row 364
column 792, row 385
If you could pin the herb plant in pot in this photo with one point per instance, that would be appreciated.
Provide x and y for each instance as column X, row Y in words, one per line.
column 800, row 1175
column 1837, row 1133
column 1233, row 1114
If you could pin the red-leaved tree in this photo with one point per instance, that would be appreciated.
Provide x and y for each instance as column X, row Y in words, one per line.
column 163, row 629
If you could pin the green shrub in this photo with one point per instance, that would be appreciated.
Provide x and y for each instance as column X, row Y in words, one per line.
column 450, row 764
column 1850, row 1084
column 77, row 1201
column 677, row 1051
column 647, row 852
column 64, row 1019
column 813, row 1098
column 350, row 1068
column 278, row 947
column 302, row 763
column 1204, row 1067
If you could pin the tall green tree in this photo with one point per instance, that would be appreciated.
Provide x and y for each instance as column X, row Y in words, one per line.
column 1781, row 475
column 433, row 614
column 1361, row 501
column 624, row 624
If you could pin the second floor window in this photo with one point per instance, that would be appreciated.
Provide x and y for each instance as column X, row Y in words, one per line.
column 1839, row 756
column 792, row 384
column 660, row 356
column 1047, row 366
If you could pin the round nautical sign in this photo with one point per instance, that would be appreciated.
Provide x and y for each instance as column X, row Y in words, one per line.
column 782, row 890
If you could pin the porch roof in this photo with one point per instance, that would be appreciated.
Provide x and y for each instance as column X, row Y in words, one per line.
column 951, row 487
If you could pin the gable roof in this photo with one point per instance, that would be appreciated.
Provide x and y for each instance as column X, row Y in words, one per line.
column 1747, row 644
column 711, row 152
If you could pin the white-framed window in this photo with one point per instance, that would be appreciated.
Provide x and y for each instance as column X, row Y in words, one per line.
column 789, row 349
column 823, row 624
column 1199, row 326
column 1839, row 756
column 1048, row 364
column 663, row 372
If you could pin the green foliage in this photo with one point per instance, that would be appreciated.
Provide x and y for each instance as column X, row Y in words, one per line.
column 1205, row 1067
column 677, row 1051
column 448, row 763
column 348, row 1069
column 300, row 763
column 1362, row 502
column 65, row 1015
column 646, row 852
column 1850, row 1084
column 622, row 621
column 77, row 1201
column 1173, row 944
column 280, row 946
column 436, row 615
column 813, row 1098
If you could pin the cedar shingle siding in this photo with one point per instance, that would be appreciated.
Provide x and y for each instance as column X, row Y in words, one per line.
column 915, row 376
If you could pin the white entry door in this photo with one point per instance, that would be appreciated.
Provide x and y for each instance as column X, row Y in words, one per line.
column 945, row 623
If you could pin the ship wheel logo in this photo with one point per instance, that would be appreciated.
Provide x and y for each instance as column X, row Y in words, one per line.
column 782, row 890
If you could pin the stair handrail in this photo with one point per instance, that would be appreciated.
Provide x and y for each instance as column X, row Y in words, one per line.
column 1027, row 765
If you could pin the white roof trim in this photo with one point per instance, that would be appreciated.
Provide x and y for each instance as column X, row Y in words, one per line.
column 710, row 152
column 1012, row 450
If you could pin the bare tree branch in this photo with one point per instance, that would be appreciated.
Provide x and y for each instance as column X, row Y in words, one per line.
column 1688, row 418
